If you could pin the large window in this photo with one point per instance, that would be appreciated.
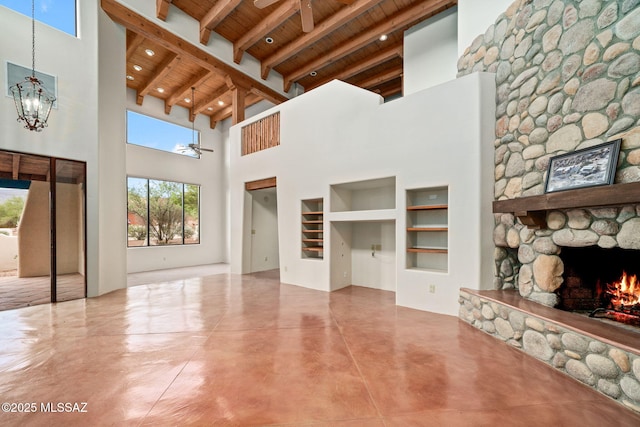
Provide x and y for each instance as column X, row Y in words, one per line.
column 60, row 14
column 162, row 213
column 155, row 133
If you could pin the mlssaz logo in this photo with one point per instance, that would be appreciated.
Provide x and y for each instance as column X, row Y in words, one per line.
column 63, row 407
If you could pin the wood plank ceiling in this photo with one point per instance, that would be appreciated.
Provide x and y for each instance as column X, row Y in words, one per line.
column 344, row 44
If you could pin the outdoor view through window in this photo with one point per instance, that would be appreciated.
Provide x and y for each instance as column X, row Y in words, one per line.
column 162, row 213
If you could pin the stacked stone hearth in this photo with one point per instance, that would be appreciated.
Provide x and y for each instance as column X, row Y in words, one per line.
column 567, row 78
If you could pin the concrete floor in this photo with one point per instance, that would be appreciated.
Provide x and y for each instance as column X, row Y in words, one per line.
column 234, row 350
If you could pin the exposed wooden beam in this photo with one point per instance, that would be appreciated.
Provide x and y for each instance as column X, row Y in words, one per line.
column 260, row 184
column 210, row 99
column 402, row 19
column 214, row 16
column 159, row 73
column 133, row 42
column 179, row 94
column 238, row 94
column 227, row 112
column 16, row 166
column 390, row 91
column 135, row 22
column 378, row 79
column 381, row 57
column 162, row 9
column 321, row 30
column 286, row 9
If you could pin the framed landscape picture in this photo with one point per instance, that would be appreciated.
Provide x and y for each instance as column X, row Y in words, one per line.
column 588, row 167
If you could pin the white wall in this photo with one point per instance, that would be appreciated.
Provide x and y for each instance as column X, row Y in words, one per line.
column 77, row 127
column 431, row 52
column 264, row 230
column 475, row 17
column 208, row 172
column 433, row 138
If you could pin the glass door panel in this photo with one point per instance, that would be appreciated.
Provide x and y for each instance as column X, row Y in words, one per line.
column 68, row 235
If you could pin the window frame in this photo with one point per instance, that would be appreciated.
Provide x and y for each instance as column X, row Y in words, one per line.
column 194, row 136
column 53, row 24
column 147, row 239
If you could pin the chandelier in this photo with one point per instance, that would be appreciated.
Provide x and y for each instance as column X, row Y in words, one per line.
column 32, row 99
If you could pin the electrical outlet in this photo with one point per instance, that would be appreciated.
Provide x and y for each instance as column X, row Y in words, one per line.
column 266, row 259
column 432, row 289
column 344, row 274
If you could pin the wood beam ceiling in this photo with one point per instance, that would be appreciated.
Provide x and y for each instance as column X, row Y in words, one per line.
column 160, row 72
column 322, row 30
column 139, row 24
column 287, row 9
column 397, row 22
column 214, row 16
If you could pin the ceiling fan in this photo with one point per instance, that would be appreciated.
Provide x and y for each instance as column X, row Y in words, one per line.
column 194, row 146
column 306, row 11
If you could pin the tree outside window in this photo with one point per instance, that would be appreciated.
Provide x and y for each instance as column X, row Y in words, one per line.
column 162, row 213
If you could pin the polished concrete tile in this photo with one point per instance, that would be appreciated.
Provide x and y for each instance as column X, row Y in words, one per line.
column 232, row 350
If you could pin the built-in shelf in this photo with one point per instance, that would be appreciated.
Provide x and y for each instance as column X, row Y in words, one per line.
column 532, row 210
column 372, row 194
column 427, row 229
column 428, row 250
column 312, row 228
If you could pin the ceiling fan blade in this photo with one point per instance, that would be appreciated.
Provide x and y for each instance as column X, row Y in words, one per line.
column 306, row 13
column 260, row 4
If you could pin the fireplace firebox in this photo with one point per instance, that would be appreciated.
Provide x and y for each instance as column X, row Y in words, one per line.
column 603, row 282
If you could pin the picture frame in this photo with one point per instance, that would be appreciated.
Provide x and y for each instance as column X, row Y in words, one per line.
column 588, row 167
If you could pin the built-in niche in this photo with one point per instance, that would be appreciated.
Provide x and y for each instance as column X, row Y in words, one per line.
column 428, row 228
column 372, row 194
column 362, row 215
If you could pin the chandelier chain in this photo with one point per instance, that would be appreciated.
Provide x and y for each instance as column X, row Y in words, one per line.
column 33, row 38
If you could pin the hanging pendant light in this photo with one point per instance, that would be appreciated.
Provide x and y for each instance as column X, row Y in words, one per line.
column 33, row 101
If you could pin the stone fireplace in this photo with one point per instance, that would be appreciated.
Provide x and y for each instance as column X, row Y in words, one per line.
column 567, row 78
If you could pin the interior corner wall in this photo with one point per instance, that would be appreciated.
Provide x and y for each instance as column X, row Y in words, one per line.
column 87, row 124
column 208, row 172
column 474, row 17
column 431, row 52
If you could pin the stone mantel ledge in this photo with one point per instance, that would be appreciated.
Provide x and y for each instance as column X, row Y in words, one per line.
column 604, row 356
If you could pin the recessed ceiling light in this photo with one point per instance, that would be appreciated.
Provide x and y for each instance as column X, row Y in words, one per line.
column 269, row 40
column 137, row 68
column 383, row 37
column 221, row 103
column 209, row 108
column 161, row 89
column 187, row 100
column 149, row 52
column 313, row 73
column 129, row 77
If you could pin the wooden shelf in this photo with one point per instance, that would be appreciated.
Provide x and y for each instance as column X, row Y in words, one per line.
column 532, row 210
column 427, row 228
column 426, row 207
column 312, row 221
column 428, row 250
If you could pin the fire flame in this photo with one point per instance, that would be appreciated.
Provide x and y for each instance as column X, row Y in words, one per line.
column 625, row 293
